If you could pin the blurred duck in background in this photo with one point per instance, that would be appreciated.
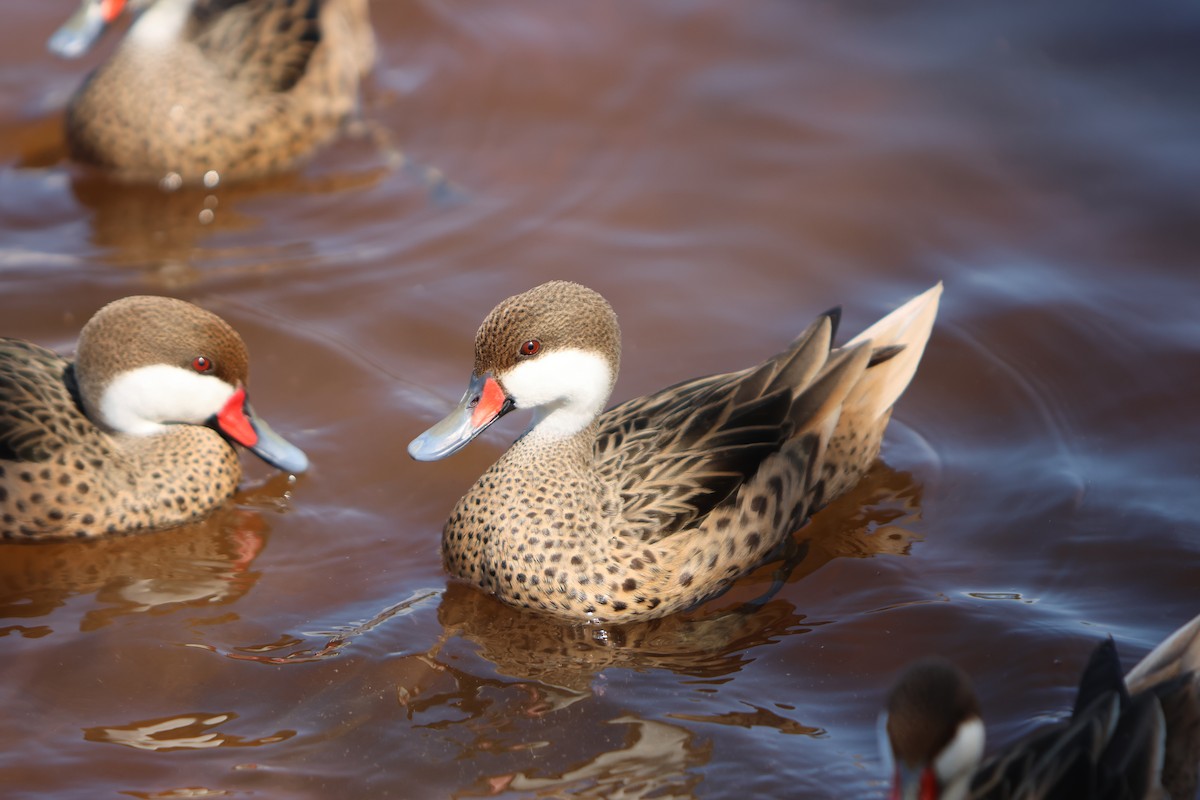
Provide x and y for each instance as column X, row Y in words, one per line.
column 200, row 91
column 1137, row 737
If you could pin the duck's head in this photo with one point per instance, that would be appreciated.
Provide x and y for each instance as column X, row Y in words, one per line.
column 934, row 732
column 81, row 31
column 554, row 349
column 144, row 364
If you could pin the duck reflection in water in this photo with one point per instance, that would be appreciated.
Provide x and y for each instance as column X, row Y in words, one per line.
column 202, row 565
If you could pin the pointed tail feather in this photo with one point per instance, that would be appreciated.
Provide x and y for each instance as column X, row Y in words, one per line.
column 907, row 327
column 1178, row 654
column 1172, row 673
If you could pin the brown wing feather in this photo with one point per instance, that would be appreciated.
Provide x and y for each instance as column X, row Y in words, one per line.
column 32, row 377
column 677, row 454
column 265, row 44
column 1111, row 747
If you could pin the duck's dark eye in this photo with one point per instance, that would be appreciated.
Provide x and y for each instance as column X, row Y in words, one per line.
column 202, row 364
column 531, row 348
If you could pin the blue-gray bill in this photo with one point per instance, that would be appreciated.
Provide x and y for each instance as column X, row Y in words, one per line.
column 274, row 449
column 80, row 31
column 483, row 403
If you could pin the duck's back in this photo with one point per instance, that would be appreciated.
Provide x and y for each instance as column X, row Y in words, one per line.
column 815, row 412
column 674, row 456
column 48, row 449
column 37, row 410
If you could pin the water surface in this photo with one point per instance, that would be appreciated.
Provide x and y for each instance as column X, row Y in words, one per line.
column 722, row 172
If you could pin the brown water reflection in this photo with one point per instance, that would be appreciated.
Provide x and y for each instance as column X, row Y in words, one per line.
column 654, row 762
column 186, row 732
column 206, row 564
column 722, row 173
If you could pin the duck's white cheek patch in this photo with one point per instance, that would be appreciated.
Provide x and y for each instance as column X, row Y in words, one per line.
column 161, row 25
column 958, row 760
column 567, row 389
column 142, row 400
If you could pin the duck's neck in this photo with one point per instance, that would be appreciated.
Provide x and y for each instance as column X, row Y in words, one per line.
column 567, row 391
column 177, row 476
column 556, row 446
column 563, row 423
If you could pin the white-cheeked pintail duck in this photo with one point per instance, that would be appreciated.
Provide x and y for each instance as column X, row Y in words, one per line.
column 661, row 502
column 215, row 89
column 136, row 433
column 1136, row 738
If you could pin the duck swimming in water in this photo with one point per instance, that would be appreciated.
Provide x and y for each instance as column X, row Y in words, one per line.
column 1136, row 738
column 136, row 433
column 211, row 90
column 661, row 502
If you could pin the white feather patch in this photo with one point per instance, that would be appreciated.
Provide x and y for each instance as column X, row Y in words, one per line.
column 958, row 760
column 567, row 389
column 142, row 400
column 161, row 24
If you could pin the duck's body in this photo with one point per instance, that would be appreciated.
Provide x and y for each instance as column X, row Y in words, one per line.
column 1136, row 738
column 132, row 435
column 231, row 88
column 664, row 500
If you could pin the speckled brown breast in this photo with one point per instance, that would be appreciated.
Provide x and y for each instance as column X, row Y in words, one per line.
column 62, row 477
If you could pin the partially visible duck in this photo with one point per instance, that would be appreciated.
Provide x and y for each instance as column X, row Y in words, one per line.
column 1133, row 738
column 215, row 89
column 137, row 433
column 662, row 501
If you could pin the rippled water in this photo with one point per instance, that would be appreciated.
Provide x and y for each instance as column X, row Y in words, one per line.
column 721, row 172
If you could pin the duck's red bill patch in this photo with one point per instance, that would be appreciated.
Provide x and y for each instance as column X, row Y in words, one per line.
column 111, row 9
column 233, row 421
column 491, row 403
column 929, row 785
